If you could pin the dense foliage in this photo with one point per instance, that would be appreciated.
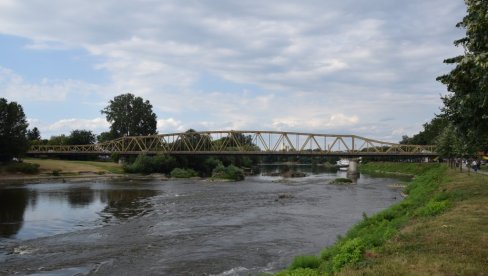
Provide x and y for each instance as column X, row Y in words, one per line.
column 152, row 164
column 33, row 134
column 183, row 173
column 230, row 172
column 466, row 106
column 21, row 167
column 130, row 116
column 13, row 130
column 428, row 136
column 81, row 137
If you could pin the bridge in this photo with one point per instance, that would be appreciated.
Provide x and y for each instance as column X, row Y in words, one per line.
column 234, row 142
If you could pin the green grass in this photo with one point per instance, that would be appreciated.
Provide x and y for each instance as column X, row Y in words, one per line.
column 396, row 168
column 107, row 166
column 305, row 261
column 440, row 228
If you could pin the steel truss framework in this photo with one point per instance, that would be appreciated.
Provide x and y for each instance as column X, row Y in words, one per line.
column 243, row 143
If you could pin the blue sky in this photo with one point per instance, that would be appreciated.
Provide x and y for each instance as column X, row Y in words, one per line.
column 351, row 67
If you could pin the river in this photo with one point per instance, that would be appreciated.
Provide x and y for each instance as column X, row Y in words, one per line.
column 179, row 227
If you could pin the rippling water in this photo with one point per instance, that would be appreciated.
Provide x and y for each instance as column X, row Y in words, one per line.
column 185, row 227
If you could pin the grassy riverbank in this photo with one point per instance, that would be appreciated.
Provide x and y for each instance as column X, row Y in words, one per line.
column 52, row 167
column 440, row 228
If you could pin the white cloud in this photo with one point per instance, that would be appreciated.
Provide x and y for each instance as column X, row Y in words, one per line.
column 315, row 66
column 65, row 126
column 333, row 121
column 14, row 87
column 170, row 125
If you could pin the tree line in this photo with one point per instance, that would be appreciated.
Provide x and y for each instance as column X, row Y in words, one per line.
column 461, row 129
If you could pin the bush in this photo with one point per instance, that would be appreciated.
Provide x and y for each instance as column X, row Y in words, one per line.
column 183, row 173
column 56, row 172
column 230, row 172
column 27, row 168
column 305, row 261
column 299, row 272
column 151, row 164
column 350, row 252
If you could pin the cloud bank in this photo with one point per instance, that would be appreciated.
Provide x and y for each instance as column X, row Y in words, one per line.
column 362, row 67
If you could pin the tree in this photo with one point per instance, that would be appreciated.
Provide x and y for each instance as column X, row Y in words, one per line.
column 33, row 135
column 81, row 137
column 448, row 144
column 466, row 106
column 105, row 136
column 13, row 130
column 429, row 134
column 130, row 116
column 58, row 140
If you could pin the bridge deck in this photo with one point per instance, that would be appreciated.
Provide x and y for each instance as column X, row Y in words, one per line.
column 242, row 143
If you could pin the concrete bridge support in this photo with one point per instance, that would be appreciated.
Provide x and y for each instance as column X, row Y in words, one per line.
column 352, row 170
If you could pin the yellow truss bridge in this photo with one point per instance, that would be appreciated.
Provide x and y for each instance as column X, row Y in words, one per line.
column 234, row 142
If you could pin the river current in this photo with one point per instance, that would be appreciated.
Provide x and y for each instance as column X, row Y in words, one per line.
column 179, row 227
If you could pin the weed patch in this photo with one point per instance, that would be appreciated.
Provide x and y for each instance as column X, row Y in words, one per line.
column 305, row 261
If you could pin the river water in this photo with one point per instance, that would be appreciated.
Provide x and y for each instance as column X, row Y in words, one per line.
column 179, row 227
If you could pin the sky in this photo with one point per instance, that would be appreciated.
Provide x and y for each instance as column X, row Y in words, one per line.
column 363, row 67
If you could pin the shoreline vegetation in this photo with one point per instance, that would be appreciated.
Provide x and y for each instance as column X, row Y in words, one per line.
column 439, row 228
column 34, row 170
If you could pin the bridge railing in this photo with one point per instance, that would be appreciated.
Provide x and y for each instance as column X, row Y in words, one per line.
column 241, row 142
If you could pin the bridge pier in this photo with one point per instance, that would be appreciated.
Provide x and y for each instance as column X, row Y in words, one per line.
column 352, row 170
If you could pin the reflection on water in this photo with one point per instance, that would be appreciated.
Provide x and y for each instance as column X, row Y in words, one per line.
column 45, row 209
column 13, row 203
column 283, row 168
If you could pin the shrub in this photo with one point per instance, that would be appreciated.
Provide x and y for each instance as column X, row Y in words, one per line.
column 350, row 252
column 56, row 172
column 230, row 172
column 183, row 173
column 27, row 168
column 305, row 261
column 150, row 164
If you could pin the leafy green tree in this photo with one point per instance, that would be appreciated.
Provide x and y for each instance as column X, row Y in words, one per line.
column 58, row 140
column 34, row 134
column 448, row 144
column 105, row 136
column 81, row 137
column 429, row 134
column 466, row 106
column 130, row 116
column 13, row 130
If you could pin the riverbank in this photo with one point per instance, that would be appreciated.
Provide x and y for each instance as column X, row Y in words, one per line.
column 440, row 228
column 55, row 170
column 52, row 170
